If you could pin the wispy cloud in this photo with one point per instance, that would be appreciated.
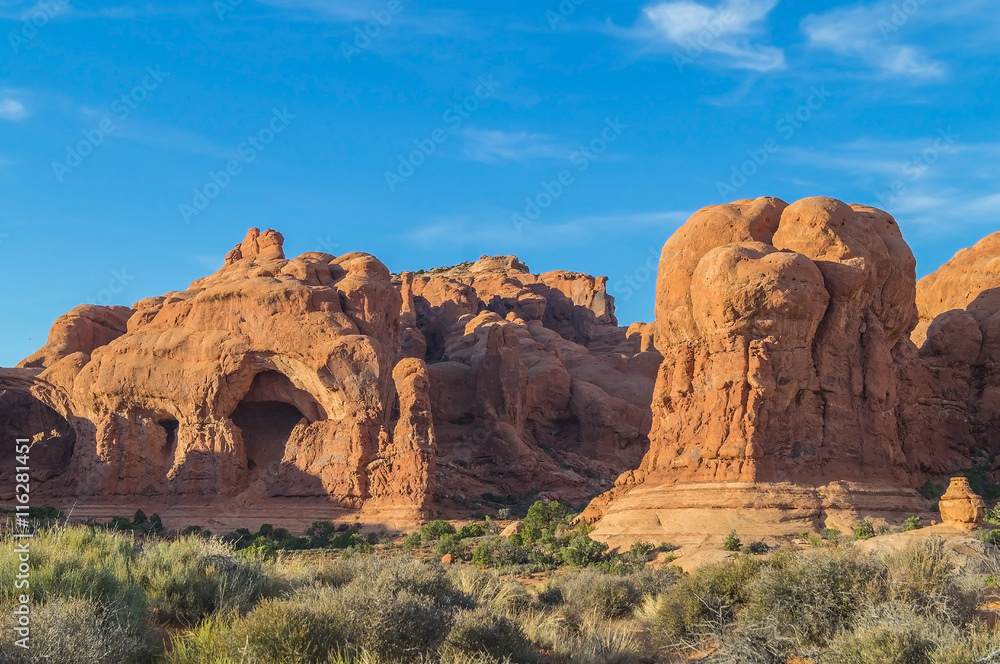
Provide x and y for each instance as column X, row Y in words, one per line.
column 868, row 34
column 12, row 110
column 728, row 32
column 485, row 232
column 492, row 146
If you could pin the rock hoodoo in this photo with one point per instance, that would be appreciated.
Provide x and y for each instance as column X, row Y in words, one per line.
column 960, row 505
column 789, row 382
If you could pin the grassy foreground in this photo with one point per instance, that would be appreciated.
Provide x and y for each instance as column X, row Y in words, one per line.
column 102, row 595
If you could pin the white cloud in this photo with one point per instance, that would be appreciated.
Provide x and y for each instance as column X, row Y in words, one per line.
column 861, row 34
column 727, row 31
column 492, row 146
column 12, row 110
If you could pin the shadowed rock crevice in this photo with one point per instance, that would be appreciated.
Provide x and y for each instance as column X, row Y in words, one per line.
column 52, row 438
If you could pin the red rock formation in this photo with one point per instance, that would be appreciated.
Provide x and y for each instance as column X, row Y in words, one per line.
column 80, row 331
column 306, row 378
column 778, row 325
column 533, row 384
column 970, row 280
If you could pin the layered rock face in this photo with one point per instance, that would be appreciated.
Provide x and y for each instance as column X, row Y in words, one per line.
column 789, row 382
column 533, row 384
column 328, row 377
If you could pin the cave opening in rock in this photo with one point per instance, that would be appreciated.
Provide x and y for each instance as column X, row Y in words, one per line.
column 51, row 435
column 267, row 415
column 170, row 427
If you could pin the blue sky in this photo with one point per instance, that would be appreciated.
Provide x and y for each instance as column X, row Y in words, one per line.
column 139, row 142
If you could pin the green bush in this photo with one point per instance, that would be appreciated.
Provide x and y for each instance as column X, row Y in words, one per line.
column 543, row 521
column 478, row 529
column 640, row 550
column 452, row 544
column 582, row 551
column 702, row 604
column 988, row 535
column 188, row 579
column 732, row 542
column 431, row 532
column 913, row 523
column 482, row 631
column 864, row 530
column 500, row 552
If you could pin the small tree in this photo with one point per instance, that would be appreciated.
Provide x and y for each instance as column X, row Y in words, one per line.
column 140, row 518
column 732, row 542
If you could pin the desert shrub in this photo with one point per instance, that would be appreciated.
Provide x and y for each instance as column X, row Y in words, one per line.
column 500, row 552
column 188, row 579
column 74, row 630
column 452, row 544
column 732, row 542
column 412, row 541
column 702, row 604
column 487, row 588
column 913, row 523
column 924, row 577
column 393, row 624
column 398, row 574
column 609, row 595
column 886, row 636
column 80, row 562
column 808, row 598
column 301, row 630
column 483, row 631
